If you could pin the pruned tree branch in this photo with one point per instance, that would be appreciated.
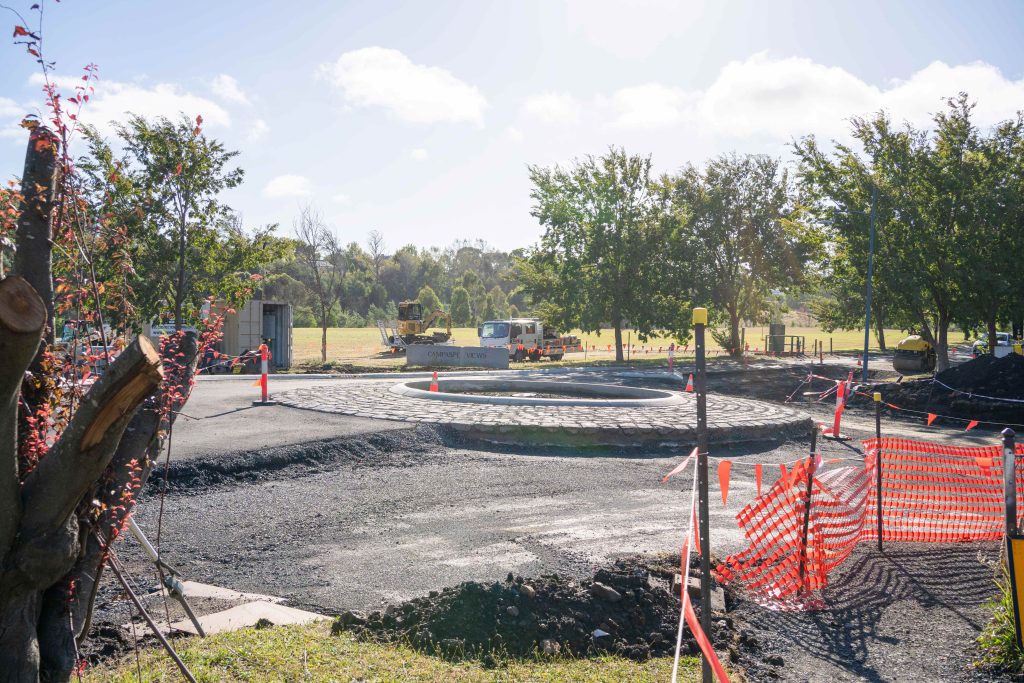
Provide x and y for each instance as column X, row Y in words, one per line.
column 85, row 448
column 22, row 321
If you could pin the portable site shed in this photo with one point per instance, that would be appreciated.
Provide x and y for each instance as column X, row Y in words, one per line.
column 248, row 326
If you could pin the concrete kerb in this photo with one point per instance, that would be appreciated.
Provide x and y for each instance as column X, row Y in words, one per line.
column 669, row 419
column 604, row 395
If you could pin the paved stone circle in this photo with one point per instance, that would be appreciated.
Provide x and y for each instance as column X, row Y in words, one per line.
column 730, row 419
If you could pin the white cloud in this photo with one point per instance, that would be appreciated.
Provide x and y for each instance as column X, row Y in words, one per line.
column 288, row 185
column 10, row 115
column 226, row 88
column 342, row 199
column 649, row 105
column 112, row 101
column 418, row 154
column 778, row 98
column 8, row 107
column 258, row 130
column 386, row 78
column 515, row 134
column 553, row 107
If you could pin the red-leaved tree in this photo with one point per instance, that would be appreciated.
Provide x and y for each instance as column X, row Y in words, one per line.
column 74, row 449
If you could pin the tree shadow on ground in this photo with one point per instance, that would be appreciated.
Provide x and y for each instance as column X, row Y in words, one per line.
column 872, row 621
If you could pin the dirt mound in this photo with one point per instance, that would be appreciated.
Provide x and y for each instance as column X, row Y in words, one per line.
column 996, row 378
column 999, row 377
column 628, row 610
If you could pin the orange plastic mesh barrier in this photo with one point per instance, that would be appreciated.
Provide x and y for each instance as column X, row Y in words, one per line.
column 935, row 493
column 930, row 493
column 774, row 525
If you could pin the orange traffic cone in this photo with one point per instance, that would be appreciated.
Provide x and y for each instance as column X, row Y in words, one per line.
column 433, row 382
column 689, row 383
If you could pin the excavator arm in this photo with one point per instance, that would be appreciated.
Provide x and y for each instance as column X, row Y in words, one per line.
column 434, row 317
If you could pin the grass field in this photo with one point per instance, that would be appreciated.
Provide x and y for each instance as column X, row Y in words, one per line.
column 361, row 346
column 311, row 653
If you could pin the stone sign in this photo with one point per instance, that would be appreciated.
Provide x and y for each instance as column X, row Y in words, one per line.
column 464, row 356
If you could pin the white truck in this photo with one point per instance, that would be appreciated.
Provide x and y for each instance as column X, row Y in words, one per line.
column 526, row 339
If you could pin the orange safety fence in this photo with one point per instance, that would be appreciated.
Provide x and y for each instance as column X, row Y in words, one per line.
column 936, row 493
column 930, row 493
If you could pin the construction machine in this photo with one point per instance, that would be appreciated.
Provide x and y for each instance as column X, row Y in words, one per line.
column 411, row 326
column 914, row 354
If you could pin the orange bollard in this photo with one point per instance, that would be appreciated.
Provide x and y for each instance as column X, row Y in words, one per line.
column 264, row 369
column 433, row 382
column 689, row 383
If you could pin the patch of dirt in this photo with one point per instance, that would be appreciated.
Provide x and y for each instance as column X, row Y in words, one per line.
column 382, row 449
column 628, row 609
column 912, row 612
column 1000, row 378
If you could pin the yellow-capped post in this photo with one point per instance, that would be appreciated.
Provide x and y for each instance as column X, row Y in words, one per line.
column 1014, row 538
column 700, row 321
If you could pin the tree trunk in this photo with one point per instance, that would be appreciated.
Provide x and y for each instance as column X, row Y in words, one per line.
column 990, row 321
column 179, row 290
column 880, row 328
column 618, row 340
column 323, row 335
column 33, row 247
column 34, row 237
column 734, row 331
column 19, row 648
column 47, row 531
column 942, row 341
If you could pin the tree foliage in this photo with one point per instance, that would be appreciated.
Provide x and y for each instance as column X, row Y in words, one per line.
column 733, row 229
column 948, row 220
column 602, row 255
column 165, row 188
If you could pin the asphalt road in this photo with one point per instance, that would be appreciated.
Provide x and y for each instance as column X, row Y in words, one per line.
column 220, row 420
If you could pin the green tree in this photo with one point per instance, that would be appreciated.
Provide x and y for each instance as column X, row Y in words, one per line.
column 429, row 299
column 164, row 189
column 462, row 313
column 733, row 229
column 946, row 214
column 319, row 253
column 603, row 250
column 498, row 303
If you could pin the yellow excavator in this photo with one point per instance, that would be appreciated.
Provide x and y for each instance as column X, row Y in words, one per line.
column 412, row 326
column 914, row 354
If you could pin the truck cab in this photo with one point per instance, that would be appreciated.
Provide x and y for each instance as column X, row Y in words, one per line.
column 525, row 338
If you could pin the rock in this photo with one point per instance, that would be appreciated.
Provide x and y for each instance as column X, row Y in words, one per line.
column 432, row 594
column 722, row 623
column 550, row 647
column 512, row 611
column 775, row 660
column 747, row 638
column 527, row 591
column 348, row 618
column 263, row 623
column 605, row 592
column 717, row 599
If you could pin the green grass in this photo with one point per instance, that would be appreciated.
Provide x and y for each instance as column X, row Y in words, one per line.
column 311, row 653
column 360, row 347
column 998, row 640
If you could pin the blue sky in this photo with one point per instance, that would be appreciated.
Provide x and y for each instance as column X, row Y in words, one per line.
column 419, row 119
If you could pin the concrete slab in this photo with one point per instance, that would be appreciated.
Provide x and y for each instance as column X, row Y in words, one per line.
column 248, row 614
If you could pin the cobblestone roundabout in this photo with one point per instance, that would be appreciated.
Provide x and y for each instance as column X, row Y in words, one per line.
column 729, row 418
